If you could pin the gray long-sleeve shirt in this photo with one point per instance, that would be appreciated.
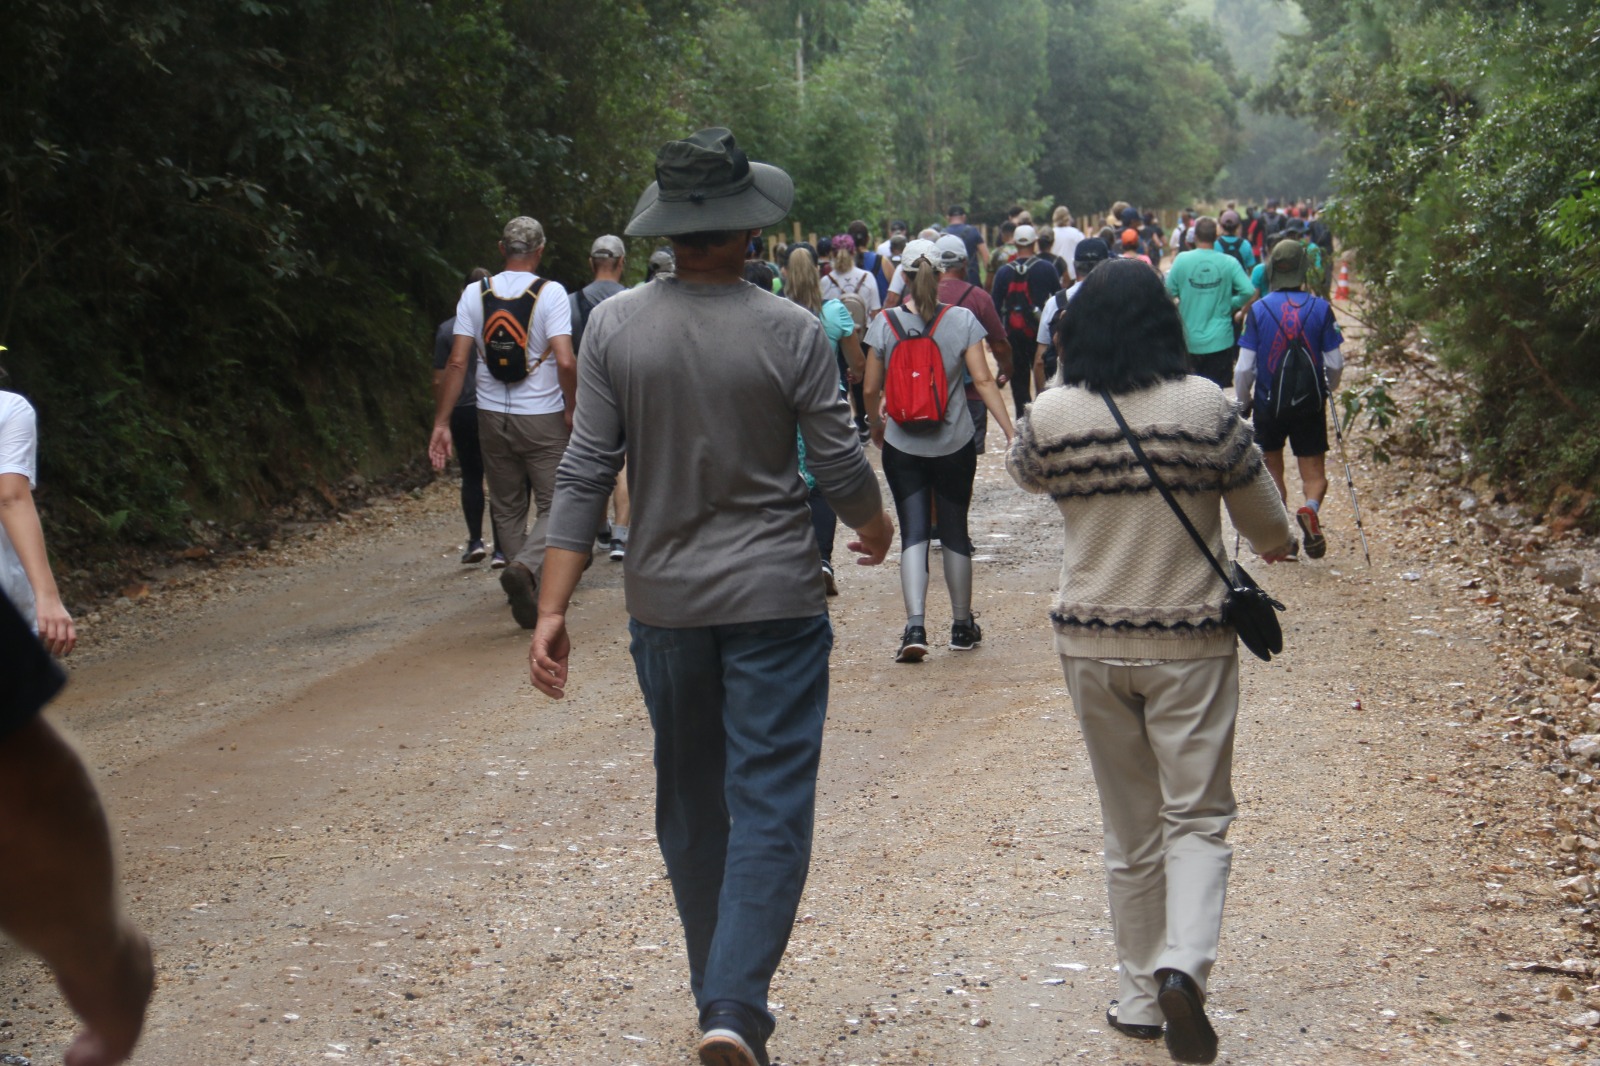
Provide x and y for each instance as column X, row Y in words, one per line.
column 701, row 388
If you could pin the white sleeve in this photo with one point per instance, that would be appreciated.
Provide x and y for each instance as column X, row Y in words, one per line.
column 1333, row 365
column 897, row 284
column 1244, row 376
column 552, row 318
column 1048, row 316
column 469, row 313
column 19, row 438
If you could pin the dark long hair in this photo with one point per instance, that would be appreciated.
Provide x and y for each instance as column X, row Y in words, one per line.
column 1121, row 331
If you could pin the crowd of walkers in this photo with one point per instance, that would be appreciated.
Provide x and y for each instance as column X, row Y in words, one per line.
column 710, row 428
column 730, row 403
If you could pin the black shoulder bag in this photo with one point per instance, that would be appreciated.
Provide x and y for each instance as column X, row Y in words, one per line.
column 1249, row 609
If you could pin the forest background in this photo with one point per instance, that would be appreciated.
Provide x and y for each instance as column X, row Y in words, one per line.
column 228, row 229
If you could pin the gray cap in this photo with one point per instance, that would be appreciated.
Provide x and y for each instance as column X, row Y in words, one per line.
column 662, row 262
column 952, row 251
column 522, row 234
column 607, row 247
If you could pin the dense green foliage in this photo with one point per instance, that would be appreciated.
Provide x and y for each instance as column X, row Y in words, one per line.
column 1470, row 193
column 229, row 228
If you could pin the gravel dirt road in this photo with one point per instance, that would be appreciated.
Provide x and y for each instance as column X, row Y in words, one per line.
column 355, row 833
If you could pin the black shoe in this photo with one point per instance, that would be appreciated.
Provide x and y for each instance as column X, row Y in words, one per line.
column 619, row 551
column 913, row 645
column 828, row 579
column 1138, row 1032
column 520, row 586
column 731, row 1035
column 1190, row 1037
column 964, row 636
column 475, row 552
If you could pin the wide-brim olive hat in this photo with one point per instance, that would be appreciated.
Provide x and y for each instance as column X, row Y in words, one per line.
column 1287, row 267
column 707, row 183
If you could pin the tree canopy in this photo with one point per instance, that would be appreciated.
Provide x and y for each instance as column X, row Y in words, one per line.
column 230, row 227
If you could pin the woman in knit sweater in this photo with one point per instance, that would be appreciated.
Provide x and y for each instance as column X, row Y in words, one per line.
column 1152, row 670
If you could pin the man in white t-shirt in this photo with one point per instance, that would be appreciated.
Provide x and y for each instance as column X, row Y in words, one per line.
column 25, row 575
column 525, row 402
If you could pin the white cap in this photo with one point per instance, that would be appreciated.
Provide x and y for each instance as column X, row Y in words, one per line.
column 607, row 247
column 916, row 250
column 952, row 251
column 1025, row 235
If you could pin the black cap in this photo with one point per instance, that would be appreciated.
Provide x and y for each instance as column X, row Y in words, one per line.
column 1091, row 250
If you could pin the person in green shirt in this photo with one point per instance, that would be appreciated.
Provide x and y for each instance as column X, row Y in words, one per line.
column 1209, row 286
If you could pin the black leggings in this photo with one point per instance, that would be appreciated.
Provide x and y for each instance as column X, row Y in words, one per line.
column 917, row 482
column 464, row 433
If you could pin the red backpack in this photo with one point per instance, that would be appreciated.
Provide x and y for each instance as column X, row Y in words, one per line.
column 1021, row 317
column 915, row 389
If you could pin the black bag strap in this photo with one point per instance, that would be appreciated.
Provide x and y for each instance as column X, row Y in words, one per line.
column 1161, row 486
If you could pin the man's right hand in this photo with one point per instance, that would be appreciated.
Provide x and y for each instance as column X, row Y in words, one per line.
column 876, row 537
column 548, row 654
column 439, row 446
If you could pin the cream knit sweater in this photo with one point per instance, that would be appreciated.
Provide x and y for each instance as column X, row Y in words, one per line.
column 1133, row 583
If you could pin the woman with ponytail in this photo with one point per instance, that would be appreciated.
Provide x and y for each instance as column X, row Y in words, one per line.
column 932, row 466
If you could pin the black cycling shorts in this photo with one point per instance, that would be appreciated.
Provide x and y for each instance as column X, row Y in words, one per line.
column 1306, row 434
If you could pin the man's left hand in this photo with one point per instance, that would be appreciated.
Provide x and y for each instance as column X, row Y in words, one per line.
column 876, row 537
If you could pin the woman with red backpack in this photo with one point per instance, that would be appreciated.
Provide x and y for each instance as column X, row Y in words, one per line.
column 913, row 376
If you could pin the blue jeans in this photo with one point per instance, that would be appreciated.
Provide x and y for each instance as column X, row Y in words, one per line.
column 738, row 713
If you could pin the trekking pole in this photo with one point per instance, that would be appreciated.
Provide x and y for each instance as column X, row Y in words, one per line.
column 1338, row 435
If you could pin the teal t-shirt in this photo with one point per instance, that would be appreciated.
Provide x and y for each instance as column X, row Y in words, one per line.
column 1209, row 286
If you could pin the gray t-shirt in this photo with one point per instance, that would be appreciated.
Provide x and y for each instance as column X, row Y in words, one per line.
column 444, row 339
column 958, row 330
column 701, row 388
column 593, row 292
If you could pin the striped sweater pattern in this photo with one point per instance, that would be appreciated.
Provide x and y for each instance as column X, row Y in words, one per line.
column 1133, row 584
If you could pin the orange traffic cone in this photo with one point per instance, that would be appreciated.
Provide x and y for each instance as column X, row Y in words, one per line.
column 1343, row 291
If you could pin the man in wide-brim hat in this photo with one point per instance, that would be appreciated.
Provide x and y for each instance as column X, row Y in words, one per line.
column 701, row 381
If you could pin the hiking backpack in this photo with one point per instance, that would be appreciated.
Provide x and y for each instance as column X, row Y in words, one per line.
column 915, row 389
column 1234, row 250
column 505, row 332
column 1017, row 305
column 1298, row 387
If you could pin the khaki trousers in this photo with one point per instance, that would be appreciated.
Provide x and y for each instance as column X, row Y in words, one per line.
column 1160, row 740
column 519, row 452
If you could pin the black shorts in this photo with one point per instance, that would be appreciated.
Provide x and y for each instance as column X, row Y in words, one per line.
column 1306, row 434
